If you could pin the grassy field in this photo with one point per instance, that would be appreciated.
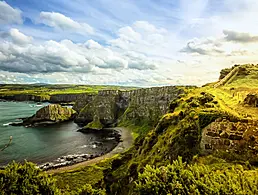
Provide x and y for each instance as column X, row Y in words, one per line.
column 43, row 90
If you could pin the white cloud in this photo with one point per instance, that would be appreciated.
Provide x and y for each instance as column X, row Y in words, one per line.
column 91, row 44
column 64, row 23
column 208, row 46
column 9, row 15
column 17, row 37
column 22, row 55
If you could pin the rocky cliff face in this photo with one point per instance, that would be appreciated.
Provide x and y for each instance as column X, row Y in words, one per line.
column 137, row 105
column 151, row 103
column 55, row 98
column 81, row 101
column 60, row 98
column 52, row 113
column 25, row 97
column 103, row 106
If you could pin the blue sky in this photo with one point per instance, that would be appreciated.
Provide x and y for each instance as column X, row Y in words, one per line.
column 125, row 42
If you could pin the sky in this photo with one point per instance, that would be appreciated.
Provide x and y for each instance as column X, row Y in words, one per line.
column 125, row 42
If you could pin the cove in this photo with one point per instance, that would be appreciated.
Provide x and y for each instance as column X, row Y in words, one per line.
column 45, row 143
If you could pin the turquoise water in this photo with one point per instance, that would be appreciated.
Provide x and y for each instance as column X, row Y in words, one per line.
column 43, row 144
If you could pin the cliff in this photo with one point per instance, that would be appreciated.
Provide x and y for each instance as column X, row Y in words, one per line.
column 104, row 106
column 52, row 98
column 25, row 97
column 50, row 114
column 143, row 105
column 148, row 105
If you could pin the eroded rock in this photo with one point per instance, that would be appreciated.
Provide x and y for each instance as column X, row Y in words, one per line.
column 53, row 113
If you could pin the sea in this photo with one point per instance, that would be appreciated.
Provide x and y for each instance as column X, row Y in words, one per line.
column 43, row 144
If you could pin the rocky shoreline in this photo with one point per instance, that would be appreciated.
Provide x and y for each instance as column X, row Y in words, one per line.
column 78, row 158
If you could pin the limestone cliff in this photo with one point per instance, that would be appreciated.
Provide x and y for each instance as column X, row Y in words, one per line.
column 52, row 113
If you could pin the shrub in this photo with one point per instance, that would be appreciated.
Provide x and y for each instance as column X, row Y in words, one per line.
column 180, row 178
column 24, row 179
column 88, row 190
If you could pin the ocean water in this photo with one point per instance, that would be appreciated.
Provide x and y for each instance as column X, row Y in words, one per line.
column 45, row 143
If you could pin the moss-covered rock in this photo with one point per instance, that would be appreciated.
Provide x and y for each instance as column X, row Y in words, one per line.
column 94, row 125
column 53, row 113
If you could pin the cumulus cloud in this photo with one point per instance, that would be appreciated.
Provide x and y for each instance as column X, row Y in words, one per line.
column 17, row 37
column 203, row 47
column 19, row 54
column 239, row 36
column 9, row 15
column 64, row 23
column 91, row 44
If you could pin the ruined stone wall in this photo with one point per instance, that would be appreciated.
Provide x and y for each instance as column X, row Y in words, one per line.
column 229, row 136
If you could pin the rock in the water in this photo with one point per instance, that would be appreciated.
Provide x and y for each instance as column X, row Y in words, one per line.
column 53, row 113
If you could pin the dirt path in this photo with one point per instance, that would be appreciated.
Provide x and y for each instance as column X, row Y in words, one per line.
column 127, row 141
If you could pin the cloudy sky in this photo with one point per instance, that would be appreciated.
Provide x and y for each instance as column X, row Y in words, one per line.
column 125, row 42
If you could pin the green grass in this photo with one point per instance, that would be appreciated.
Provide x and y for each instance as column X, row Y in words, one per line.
column 137, row 130
column 73, row 180
column 45, row 90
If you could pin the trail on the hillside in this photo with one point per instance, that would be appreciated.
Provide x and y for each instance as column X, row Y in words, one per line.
column 127, row 141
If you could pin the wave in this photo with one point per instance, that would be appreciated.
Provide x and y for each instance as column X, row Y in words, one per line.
column 6, row 124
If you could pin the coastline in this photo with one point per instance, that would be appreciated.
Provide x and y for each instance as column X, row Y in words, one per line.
column 126, row 143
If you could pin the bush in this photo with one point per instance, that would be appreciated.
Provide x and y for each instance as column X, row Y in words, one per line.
column 88, row 190
column 180, row 178
column 26, row 179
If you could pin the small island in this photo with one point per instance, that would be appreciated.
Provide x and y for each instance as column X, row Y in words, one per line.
column 51, row 114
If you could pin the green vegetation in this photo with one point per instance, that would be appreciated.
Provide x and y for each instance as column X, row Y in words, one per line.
column 95, row 124
column 46, row 90
column 73, row 181
column 26, row 179
column 180, row 178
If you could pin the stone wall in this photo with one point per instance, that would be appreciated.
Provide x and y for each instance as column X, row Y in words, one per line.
column 229, row 136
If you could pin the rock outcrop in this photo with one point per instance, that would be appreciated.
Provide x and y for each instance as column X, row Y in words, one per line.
column 53, row 113
column 251, row 100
